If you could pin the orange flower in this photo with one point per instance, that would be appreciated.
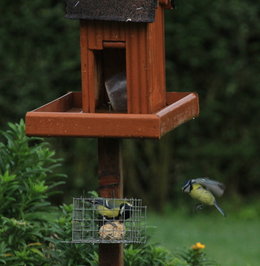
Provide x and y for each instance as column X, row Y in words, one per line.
column 198, row 245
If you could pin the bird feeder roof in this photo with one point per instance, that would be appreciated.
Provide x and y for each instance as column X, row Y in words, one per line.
column 112, row 10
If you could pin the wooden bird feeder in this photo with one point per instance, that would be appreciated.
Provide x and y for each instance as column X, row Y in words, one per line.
column 123, row 89
column 122, row 46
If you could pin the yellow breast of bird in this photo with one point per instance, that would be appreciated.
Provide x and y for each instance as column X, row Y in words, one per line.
column 202, row 195
column 107, row 212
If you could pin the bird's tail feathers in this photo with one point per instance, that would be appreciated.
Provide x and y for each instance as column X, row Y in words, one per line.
column 219, row 209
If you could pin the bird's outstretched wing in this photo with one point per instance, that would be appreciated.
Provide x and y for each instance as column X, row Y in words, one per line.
column 108, row 203
column 100, row 201
column 213, row 186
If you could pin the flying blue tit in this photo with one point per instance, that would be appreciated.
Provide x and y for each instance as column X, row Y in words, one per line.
column 112, row 209
column 205, row 190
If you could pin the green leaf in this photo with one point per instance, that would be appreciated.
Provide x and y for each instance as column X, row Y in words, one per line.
column 37, row 251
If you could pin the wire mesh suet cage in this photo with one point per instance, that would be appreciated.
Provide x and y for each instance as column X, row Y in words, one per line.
column 108, row 220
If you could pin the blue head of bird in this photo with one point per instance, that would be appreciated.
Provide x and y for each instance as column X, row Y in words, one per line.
column 187, row 187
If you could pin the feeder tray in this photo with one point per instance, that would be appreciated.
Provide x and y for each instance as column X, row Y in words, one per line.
column 64, row 117
column 90, row 227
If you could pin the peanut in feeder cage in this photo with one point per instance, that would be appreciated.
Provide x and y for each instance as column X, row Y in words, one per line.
column 94, row 223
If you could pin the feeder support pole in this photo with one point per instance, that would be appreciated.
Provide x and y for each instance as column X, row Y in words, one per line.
column 110, row 186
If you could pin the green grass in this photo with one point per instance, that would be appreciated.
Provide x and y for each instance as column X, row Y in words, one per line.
column 230, row 241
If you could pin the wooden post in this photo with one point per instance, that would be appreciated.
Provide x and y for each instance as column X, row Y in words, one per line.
column 110, row 186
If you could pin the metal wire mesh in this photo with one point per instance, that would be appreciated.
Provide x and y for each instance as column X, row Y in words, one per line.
column 127, row 225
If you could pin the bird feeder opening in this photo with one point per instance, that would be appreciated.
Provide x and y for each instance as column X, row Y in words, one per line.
column 92, row 223
column 111, row 85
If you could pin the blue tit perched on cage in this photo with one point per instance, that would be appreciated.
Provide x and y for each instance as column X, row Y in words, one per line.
column 204, row 190
column 113, row 209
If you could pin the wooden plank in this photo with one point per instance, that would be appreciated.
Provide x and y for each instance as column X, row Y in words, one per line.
column 172, row 97
column 133, row 68
column 62, row 104
column 178, row 113
column 84, row 65
column 77, row 99
column 91, row 125
column 110, row 175
column 113, row 44
column 114, row 31
column 156, row 63
column 111, row 255
column 110, row 168
column 92, row 81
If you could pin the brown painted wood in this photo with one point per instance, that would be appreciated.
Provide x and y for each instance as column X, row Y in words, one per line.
column 145, row 61
column 91, row 125
column 137, row 69
column 156, row 63
column 172, row 97
column 178, row 112
column 111, row 254
column 84, row 66
column 110, row 186
column 113, row 44
column 53, row 120
column 63, row 103
column 166, row 4
column 110, row 168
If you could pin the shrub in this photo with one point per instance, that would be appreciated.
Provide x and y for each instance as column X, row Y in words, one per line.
column 27, row 178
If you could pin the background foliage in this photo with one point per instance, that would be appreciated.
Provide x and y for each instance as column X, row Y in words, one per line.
column 212, row 48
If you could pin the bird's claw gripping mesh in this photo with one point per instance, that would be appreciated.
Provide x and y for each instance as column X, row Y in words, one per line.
column 88, row 226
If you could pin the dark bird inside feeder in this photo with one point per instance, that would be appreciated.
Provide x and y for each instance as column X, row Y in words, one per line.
column 112, row 209
column 116, row 91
